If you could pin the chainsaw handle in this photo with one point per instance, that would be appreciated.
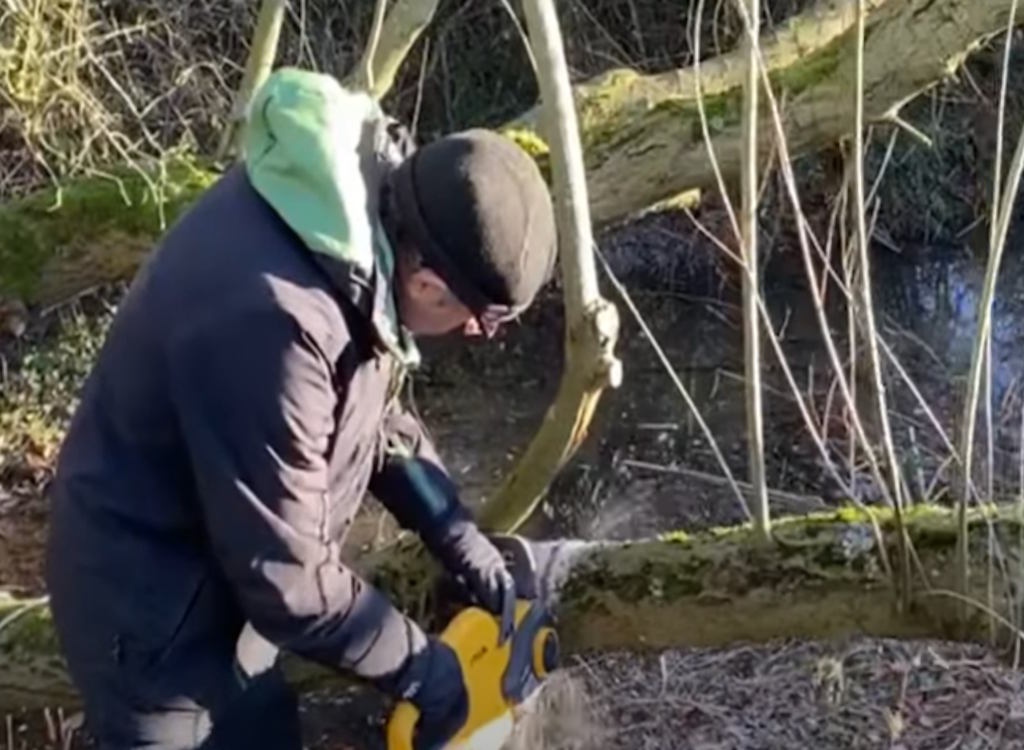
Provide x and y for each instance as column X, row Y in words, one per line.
column 402, row 726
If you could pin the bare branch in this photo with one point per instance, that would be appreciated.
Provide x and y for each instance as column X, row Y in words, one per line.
column 386, row 51
column 751, row 273
column 262, row 53
column 591, row 322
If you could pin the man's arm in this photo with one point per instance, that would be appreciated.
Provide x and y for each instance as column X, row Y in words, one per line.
column 257, row 404
column 414, row 485
column 411, row 480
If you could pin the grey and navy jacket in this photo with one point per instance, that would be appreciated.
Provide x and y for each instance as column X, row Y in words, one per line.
column 243, row 404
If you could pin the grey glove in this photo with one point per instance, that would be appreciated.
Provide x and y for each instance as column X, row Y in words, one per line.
column 477, row 565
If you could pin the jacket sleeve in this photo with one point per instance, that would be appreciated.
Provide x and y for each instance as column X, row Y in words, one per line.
column 257, row 403
column 412, row 482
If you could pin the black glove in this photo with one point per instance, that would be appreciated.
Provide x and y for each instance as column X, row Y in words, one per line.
column 440, row 696
column 470, row 557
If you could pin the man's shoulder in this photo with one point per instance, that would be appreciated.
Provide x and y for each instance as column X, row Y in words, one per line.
column 264, row 327
column 316, row 311
column 232, row 260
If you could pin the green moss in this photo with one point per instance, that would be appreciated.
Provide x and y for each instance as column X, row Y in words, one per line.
column 531, row 142
column 924, row 521
column 830, row 546
column 796, row 78
column 528, row 140
column 30, row 634
column 631, row 128
column 606, row 99
column 680, row 536
column 54, row 222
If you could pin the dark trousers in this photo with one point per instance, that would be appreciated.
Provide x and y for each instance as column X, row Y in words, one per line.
column 223, row 712
column 263, row 716
column 210, row 685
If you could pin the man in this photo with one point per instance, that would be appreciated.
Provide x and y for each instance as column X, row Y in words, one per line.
column 245, row 400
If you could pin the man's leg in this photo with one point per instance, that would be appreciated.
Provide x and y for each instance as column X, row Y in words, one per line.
column 204, row 689
column 263, row 693
column 128, row 714
column 266, row 715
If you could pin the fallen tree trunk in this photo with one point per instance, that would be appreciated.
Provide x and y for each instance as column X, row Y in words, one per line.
column 55, row 245
column 641, row 134
column 820, row 580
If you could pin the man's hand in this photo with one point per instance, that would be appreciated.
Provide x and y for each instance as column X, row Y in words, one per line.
column 435, row 685
column 471, row 558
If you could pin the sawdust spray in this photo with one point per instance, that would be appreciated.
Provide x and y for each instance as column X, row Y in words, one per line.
column 560, row 716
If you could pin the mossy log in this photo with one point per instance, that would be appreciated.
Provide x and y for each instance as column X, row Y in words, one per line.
column 641, row 136
column 820, row 579
column 57, row 244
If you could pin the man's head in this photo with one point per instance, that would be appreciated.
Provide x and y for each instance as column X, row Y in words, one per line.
column 475, row 231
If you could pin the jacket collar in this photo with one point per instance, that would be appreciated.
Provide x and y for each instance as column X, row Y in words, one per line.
column 372, row 293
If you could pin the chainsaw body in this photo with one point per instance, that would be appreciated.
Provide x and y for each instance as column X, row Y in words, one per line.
column 497, row 675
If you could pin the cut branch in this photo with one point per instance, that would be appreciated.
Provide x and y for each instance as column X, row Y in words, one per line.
column 820, row 579
column 262, row 54
column 591, row 323
column 386, row 52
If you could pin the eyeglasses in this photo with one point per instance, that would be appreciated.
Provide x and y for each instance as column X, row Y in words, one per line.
column 491, row 318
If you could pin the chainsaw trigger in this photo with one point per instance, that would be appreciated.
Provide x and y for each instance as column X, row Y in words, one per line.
column 520, row 563
column 508, row 614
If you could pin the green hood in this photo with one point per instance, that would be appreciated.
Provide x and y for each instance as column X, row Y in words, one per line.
column 310, row 151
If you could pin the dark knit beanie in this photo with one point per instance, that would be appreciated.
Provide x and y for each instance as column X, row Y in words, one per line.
column 478, row 210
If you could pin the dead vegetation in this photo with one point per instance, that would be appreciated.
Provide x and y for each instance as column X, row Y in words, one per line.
column 84, row 85
column 862, row 694
column 88, row 85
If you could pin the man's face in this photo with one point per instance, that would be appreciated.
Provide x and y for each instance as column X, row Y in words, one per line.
column 428, row 307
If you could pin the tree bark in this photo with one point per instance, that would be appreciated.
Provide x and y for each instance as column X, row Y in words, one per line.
column 820, row 580
column 642, row 135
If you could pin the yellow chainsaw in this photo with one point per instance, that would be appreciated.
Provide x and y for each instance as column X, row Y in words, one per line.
column 499, row 674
